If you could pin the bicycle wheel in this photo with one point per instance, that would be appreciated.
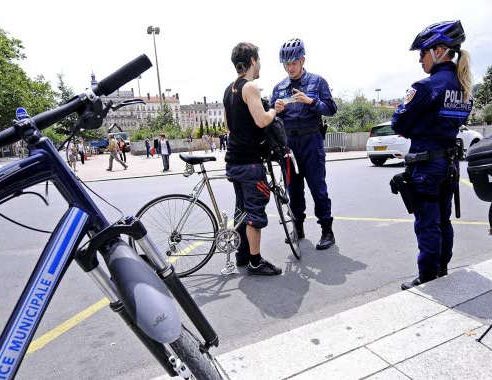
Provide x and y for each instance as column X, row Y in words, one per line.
column 188, row 248
column 287, row 220
column 200, row 364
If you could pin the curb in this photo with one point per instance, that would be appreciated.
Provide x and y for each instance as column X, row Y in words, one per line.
column 208, row 171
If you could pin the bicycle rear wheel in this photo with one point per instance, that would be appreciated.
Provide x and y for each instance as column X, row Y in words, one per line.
column 188, row 248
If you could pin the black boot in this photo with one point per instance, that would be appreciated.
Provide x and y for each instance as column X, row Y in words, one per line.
column 443, row 271
column 416, row 282
column 299, row 226
column 327, row 237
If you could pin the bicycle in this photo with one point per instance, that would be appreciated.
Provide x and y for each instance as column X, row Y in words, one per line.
column 140, row 294
column 191, row 233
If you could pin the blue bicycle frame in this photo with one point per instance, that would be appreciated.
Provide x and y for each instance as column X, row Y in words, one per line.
column 43, row 164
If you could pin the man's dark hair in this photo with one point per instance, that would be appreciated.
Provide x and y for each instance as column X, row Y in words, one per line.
column 242, row 54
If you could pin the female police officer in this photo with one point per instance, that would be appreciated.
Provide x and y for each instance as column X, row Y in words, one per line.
column 430, row 116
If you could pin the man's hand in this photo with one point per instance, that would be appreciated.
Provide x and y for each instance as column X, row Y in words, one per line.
column 301, row 97
column 279, row 105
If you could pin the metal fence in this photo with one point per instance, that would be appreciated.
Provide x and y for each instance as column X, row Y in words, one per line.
column 336, row 140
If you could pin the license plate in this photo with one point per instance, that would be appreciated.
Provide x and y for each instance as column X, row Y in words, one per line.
column 380, row 147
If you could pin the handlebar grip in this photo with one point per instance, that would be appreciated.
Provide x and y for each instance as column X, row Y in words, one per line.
column 123, row 75
column 8, row 136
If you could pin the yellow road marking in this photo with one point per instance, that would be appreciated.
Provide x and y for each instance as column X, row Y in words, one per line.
column 91, row 310
column 395, row 220
column 66, row 326
column 466, row 182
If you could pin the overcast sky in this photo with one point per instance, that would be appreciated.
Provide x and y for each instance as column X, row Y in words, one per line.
column 356, row 45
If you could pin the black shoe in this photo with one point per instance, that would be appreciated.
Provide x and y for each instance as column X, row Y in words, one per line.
column 264, row 269
column 443, row 271
column 242, row 263
column 327, row 238
column 418, row 281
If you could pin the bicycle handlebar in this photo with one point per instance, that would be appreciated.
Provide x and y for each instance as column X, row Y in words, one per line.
column 105, row 87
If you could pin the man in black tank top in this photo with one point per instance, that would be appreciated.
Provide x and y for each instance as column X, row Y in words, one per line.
column 246, row 119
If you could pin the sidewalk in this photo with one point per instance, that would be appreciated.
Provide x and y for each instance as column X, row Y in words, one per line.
column 95, row 167
column 425, row 333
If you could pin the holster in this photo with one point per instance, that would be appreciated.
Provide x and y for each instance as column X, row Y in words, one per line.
column 401, row 184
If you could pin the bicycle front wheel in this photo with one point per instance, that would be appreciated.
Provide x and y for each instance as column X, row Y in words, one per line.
column 183, row 228
column 198, row 364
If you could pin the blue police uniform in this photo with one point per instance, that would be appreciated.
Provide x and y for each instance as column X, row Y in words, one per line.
column 302, row 124
column 433, row 110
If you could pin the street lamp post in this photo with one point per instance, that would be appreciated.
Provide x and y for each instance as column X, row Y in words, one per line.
column 378, row 90
column 156, row 30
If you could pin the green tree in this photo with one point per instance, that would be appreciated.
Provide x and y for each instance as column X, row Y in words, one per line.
column 483, row 95
column 200, row 133
column 487, row 113
column 16, row 88
column 64, row 94
column 206, row 127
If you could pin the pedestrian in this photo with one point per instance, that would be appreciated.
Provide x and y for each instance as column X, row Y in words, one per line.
column 72, row 155
column 147, row 147
column 156, row 147
column 433, row 110
column 300, row 100
column 113, row 154
column 122, row 149
column 165, row 150
column 246, row 119
column 81, row 150
column 221, row 142
column 190, row 141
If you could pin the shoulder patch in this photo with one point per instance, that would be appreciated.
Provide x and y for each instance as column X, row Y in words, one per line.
column 409, row 95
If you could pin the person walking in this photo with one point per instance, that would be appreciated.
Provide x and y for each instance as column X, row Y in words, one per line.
column 147, row 147
column 433, row 110
column 81, row 151
column 246, row 119
column 300, row 100
column 113, row 154
column 122, row 149
column 165, row 150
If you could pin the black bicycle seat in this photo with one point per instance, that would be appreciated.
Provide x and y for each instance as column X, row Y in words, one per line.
column 195, row 160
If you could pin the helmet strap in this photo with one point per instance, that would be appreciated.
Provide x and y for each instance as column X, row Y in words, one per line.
column 436, row 60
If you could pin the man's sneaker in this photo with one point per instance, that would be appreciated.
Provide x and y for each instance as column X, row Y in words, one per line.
column 264, row 269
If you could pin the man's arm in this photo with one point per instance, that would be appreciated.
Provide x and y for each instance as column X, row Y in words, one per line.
column 252, row 97
column 325, row 105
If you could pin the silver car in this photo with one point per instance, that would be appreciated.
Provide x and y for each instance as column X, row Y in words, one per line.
column 384, row 143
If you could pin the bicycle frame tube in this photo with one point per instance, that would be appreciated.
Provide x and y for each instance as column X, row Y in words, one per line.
column 44, row 280
column 44, row 163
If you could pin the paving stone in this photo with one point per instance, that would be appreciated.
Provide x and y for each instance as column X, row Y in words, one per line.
column 353, row 365
column 423, row 336
column 294, row 351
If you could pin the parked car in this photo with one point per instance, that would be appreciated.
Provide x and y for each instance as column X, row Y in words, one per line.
column 99, row 146
column 384, row 143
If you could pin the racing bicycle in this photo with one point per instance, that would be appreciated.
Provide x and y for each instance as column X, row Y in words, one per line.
column 190, row 232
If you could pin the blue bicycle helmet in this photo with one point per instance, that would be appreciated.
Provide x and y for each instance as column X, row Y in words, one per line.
column 449, row 33
column 292, row 50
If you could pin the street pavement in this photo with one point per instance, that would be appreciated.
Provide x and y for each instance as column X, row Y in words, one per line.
column 424, row 333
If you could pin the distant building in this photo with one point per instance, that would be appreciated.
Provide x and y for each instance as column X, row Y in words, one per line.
column 193, row 114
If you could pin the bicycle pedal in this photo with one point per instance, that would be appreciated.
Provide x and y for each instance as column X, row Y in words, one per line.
column 229, row 269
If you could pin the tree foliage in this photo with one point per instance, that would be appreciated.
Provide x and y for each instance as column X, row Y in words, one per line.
column 487, row 113
column 16, row 88
column 483, row 92
column 357, row 116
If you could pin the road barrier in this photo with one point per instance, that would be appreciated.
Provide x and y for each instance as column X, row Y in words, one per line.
column 336, row 140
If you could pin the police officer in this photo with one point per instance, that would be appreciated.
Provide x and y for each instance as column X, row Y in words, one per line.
column 246, row 119
column 433, row 110
column 300, row 100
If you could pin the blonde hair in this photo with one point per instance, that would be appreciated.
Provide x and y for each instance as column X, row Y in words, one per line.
column 464, row 73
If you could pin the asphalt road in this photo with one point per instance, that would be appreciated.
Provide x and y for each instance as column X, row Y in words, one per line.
column 375, row 251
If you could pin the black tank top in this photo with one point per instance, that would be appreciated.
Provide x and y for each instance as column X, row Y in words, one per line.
column 245, row 136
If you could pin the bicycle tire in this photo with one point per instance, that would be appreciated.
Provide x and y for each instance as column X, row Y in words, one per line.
column 287, row 221
column 187, row 348
column 189, row 251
